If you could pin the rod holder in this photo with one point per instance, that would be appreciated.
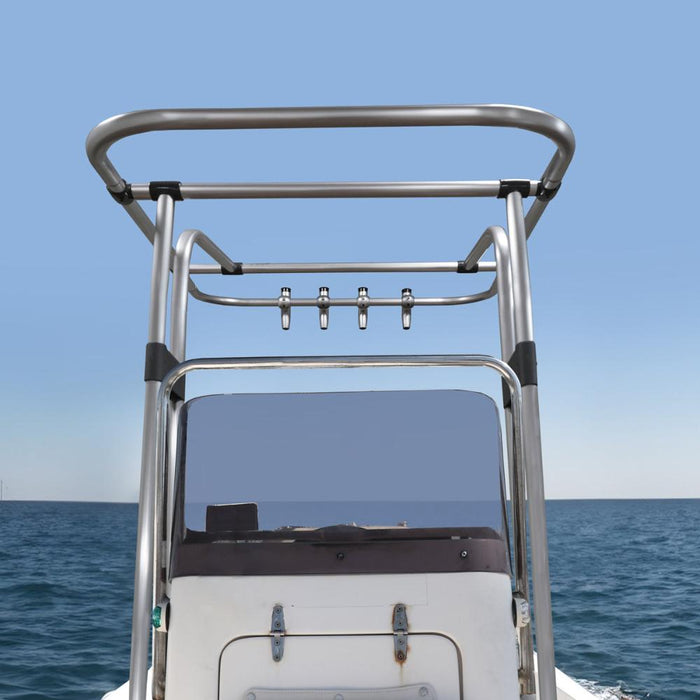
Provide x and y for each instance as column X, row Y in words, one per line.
column 407, row 303
column 323, row 301
column 284, row 301
column 362, row 307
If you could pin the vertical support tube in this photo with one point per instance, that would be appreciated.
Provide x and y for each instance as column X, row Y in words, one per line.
column 143, row 580
column 504, row 286
column 522, row 301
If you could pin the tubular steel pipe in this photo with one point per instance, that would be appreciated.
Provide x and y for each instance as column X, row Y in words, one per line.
column 144, row 575
column 182, row 283
column 340, row 267
column 104, row 135
column 273, row 302
column 112, row 130
column 497, row 237
column 326, row 362
column 532, row 443
column 330, row 190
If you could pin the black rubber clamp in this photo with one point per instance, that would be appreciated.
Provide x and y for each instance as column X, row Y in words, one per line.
column 159, row 361
column 123, row 197
column 169, row 187
column 508, row 186
column 523, row 361
column 464, row 268
column 237, row 269
column 544, row 194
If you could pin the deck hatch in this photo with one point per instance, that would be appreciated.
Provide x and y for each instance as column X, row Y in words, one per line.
column 355, row 666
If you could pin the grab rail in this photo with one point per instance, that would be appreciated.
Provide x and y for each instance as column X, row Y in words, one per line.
column 158, row 476
column 106, row 134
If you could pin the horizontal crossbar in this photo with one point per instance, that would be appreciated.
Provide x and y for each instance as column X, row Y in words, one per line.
column 241, row 268
column 329, row 190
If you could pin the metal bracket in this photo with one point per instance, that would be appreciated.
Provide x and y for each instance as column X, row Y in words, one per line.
column 400, row 625
column 362, row 306
column 522, row 186
column 408, row 301
column 277, row 631
column 323, row 302
column 284, row 301
column 167, row 187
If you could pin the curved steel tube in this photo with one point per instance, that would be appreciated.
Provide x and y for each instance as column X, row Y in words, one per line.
column 503, row 284
column 322, row 362
column 104, row 135
column 272, row 302
column 182, row 283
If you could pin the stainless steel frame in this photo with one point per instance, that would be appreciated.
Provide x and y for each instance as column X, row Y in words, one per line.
column 144, row 579
column 511, row 286
column 106, row 134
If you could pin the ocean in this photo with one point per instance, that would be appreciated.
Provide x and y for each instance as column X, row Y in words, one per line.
column 625, row 593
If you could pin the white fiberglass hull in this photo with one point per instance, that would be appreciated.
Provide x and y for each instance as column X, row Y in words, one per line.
column 567, row 689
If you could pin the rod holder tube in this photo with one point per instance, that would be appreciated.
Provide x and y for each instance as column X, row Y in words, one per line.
column 323, row 303
column 363, row 303
column 407, row 303
column 284, row 301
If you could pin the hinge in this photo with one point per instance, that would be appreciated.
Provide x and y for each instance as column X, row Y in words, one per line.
column 400, row 625
column 277, row 631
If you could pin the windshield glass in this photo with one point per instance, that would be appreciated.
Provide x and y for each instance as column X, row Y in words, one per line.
column 380, row 459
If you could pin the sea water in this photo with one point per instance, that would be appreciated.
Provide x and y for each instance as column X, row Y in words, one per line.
column 625, row 594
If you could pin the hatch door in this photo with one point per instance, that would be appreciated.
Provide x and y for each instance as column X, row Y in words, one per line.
column 314, row 667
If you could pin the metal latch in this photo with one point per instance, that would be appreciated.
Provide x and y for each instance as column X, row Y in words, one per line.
column 277, row 631
column 521, row 611
column 400, row 625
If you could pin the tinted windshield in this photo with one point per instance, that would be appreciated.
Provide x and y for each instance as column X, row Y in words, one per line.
column 389, row 459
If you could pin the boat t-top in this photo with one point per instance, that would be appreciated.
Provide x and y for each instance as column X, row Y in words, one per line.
column 340, row 545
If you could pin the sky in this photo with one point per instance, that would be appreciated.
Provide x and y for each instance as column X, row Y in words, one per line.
column 614, row 259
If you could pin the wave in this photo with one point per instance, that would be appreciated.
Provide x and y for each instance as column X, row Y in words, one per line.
column 617, row 692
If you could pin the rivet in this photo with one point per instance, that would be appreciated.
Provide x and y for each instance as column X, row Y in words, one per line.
column 464, row 554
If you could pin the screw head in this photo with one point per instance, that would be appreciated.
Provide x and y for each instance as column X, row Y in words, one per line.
column 423, row 692
column 340, row 556
column 463, row 554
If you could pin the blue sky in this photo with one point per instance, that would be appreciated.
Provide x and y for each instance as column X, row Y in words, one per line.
column 614, row 260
